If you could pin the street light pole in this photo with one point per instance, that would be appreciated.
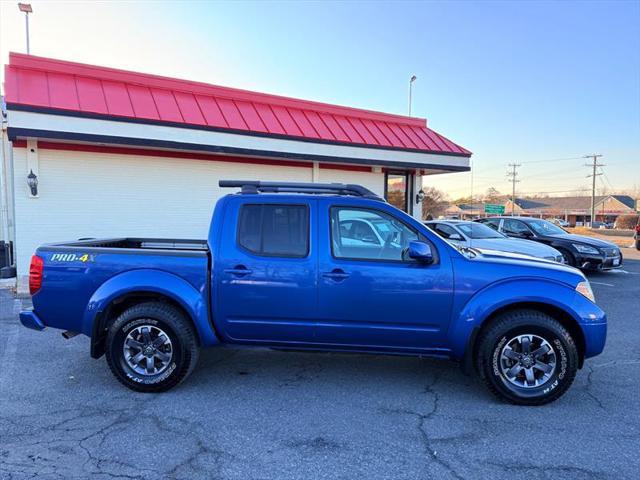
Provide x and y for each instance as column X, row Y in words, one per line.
column 26, row 8
column 411, row 80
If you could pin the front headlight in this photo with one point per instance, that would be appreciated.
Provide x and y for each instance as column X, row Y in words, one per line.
column 584, row 288
column 585, row 248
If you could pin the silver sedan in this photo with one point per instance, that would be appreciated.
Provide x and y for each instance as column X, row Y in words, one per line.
column 477, row 235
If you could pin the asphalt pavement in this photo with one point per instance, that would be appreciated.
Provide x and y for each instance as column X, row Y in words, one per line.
column 262, row 414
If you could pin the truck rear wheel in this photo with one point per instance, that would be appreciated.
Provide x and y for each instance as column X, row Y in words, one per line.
column 151, row 347
column 527, row 357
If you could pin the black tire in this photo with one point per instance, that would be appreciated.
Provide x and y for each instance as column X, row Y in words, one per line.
column 490, row 362
column 638, row 243
column 568, row 257
column 182, row 347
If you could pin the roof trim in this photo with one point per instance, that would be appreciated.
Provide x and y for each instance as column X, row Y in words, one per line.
column 97, row 116
column 33, row 62
column 20, row 133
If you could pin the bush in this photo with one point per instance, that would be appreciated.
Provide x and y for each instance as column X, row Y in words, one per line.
column 626, row 222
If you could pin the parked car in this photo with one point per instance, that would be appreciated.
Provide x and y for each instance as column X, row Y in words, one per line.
column 278, row 270
column 560, row 222
column 477, row 235
column 586, row 253
column 636, row 235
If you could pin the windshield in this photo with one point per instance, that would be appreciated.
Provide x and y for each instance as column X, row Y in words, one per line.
column 542, row 227
column 478, row 231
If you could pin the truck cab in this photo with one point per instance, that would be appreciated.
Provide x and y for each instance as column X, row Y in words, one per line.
column 322, row 267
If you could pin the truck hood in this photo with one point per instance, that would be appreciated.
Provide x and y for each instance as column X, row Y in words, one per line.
column 522, row 263
column 516, row 245
column 501, row 254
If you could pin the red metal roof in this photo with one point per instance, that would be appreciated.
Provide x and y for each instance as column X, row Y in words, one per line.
column 52, row 84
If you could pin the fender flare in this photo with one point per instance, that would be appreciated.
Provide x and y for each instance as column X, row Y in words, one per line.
column 499, row 295
column 151, row 281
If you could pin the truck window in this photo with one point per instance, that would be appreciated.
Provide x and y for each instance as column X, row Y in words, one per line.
column 372, row 235
column 274, row 230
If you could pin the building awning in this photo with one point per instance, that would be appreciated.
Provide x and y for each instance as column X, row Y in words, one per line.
column 66, row 101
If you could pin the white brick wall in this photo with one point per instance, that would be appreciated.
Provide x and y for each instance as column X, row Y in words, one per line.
column 103, row 195
column 372, row 181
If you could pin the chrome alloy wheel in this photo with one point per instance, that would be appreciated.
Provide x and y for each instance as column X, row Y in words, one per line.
column 147, row 350
column 527, row 361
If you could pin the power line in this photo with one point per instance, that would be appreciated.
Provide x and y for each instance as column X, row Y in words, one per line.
column 564, row 159
column 556, row 191
column 607, row 179
column 554, row 160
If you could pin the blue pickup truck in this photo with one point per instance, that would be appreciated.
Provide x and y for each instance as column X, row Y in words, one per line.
column 288, row 266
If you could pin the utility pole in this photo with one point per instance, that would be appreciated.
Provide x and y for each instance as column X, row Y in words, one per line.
column 513, row 176
column 594, row 165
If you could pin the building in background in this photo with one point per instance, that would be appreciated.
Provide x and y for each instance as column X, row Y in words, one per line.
column 575, row 210
column 98, row 152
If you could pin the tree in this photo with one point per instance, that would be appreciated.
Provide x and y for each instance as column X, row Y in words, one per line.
column 492, row 195
column 434, row 203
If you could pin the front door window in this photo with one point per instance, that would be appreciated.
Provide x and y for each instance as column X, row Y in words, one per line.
column 397, row 190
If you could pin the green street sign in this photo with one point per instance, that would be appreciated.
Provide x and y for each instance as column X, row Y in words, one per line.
column 494, row 209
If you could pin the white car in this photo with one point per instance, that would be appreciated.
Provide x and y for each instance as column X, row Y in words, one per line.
column 560, row 222
column 478, row 235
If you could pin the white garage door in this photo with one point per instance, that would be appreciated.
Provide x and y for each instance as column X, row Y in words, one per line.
column 104, row 195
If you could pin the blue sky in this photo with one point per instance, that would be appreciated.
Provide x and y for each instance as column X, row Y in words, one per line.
column 518, row 82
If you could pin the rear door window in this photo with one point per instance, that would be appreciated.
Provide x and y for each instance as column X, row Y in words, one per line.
column 492, row 222
column 274, row 230
column 514, row 227
column 445, row 231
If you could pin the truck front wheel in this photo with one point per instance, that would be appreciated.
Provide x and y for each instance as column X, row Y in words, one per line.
column 151, row 347
column 527, row 357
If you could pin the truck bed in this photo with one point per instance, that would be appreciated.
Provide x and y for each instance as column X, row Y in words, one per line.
column 84, row 265
column 132, row 244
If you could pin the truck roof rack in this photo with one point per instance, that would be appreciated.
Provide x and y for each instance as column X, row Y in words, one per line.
column 253, row 186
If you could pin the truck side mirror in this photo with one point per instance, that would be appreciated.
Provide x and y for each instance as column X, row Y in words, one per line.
column 420, row 251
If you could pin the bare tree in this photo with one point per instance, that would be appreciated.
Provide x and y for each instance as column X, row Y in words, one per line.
column 492, row 195
column 434, row 204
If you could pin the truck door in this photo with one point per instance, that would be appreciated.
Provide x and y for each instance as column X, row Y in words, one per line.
column 265, row 271
column 369, row 295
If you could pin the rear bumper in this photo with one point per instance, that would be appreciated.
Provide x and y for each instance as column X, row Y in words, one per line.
column 29, row 319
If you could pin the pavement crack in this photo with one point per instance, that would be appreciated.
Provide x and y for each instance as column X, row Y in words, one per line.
column 579, row 472
column 422, row 420
column 593, row 396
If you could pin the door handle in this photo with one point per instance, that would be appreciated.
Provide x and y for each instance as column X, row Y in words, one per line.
column 238, row 270
column 336, row 274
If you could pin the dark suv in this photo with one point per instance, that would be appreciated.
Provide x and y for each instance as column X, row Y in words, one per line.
column 586, row 253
